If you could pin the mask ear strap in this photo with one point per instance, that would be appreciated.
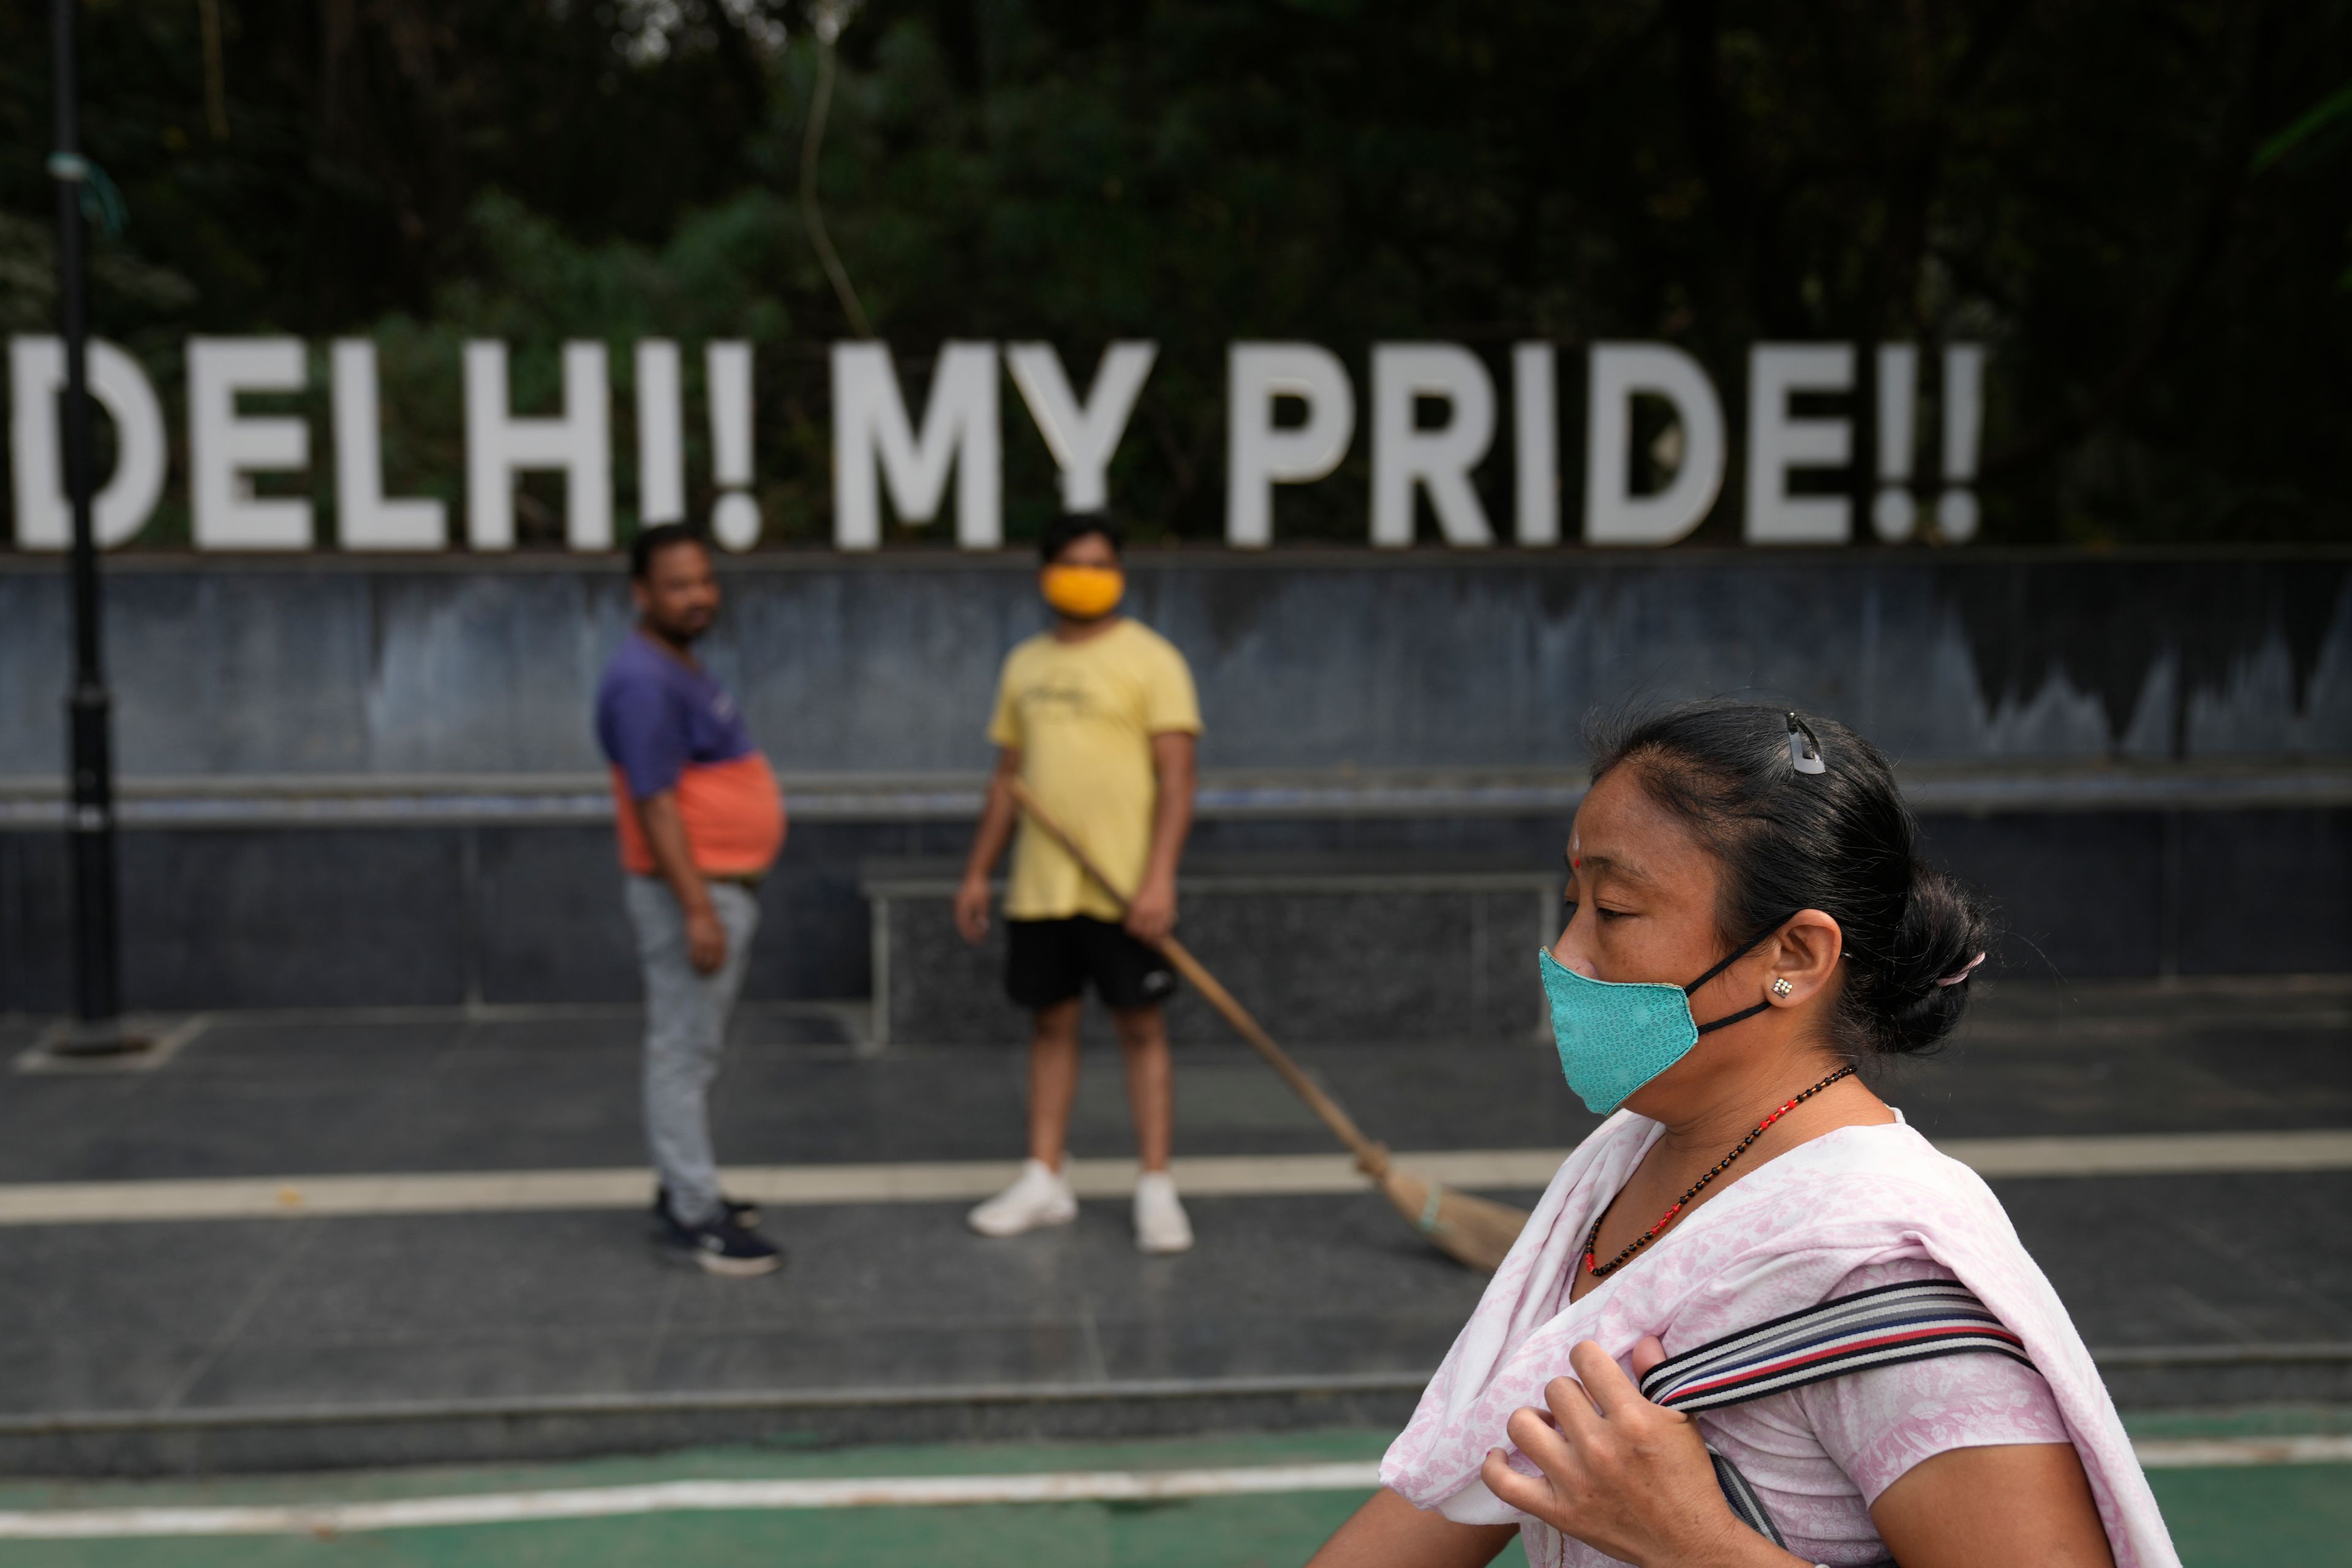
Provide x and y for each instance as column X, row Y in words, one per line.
column 1734, row 957
column 1734, row 1018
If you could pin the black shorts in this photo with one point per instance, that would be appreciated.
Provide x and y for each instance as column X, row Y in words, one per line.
column 1048, row 962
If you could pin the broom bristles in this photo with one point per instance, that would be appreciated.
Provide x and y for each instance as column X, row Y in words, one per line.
column 1476, row 1232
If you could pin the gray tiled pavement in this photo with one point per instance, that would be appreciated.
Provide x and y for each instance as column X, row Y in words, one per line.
column 188, row 1322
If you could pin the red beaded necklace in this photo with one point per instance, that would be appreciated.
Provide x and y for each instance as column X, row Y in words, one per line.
column 1602, row 1270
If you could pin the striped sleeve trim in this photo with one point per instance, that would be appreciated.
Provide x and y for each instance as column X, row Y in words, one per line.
column 1881, row 1327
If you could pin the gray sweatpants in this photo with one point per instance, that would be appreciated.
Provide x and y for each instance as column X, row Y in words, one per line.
column 686, row 1032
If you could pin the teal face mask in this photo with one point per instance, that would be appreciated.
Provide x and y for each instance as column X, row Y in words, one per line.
column 1614, row 1038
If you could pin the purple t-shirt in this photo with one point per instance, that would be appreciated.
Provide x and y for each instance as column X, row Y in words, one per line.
column 655, row 717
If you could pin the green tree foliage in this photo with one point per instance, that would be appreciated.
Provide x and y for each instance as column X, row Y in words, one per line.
column 2144, row 207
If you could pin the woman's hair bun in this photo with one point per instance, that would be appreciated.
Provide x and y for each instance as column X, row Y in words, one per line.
column 1800, row 828
column 1943, row 931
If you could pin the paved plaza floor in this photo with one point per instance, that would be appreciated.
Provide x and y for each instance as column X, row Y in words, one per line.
column 2207, row 1270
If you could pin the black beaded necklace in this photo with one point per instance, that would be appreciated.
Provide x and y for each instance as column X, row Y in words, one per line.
column 1602, row 1270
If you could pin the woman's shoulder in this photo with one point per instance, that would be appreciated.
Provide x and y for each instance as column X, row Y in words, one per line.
column 1886, row 1154
column 1853, row 1183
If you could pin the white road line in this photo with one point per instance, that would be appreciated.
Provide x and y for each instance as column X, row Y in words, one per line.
column 1246, row 1175
column 907, row 1491
column 2155, row 1154
column 2214, row 1453
column 686, row 1496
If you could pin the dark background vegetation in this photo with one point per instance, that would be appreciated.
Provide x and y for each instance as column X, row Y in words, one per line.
column 2144, row 206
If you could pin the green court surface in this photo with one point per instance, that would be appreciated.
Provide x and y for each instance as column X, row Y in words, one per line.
column 2255, row 1516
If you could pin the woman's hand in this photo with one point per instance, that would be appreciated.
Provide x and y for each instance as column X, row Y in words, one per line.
column 1623, row 1476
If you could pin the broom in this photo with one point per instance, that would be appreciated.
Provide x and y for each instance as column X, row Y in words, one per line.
column 1472, row 1231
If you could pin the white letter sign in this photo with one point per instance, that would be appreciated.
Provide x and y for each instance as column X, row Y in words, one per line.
column 1082, row 439
column 726, row 381
column 870, row 427
column 37, row 374
column 364, row 519
column 223, row 447
column 1613, row 514
column 1290, row 419
column 1259, row 455
column 661, row 433
column 1777, row 443
column 1536, row 442
column 1441, row 458
column 499, row 445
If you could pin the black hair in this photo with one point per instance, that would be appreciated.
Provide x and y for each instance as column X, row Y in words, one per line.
column 651, row 542
column 1067, row 530
column 1839, row 841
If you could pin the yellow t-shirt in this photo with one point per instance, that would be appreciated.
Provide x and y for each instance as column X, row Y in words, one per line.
column 1082, row 715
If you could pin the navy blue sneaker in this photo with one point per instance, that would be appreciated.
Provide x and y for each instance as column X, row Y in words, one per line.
column 742, row 1215
column 736, row 1251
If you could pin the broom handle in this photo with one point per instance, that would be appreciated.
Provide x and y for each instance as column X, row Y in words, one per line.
column 1370, row 1157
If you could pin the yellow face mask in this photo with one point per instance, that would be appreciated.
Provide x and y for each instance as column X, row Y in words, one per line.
column 1083, row 593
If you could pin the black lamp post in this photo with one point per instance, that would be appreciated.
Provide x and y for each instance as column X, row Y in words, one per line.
column 96, row 1027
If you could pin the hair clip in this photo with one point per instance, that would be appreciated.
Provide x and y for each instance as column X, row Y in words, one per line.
column 1966, row 970
column 1804, row 748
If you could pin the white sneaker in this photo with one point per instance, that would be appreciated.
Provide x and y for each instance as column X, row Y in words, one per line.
column 1041, row 1197
column 1160, row 1222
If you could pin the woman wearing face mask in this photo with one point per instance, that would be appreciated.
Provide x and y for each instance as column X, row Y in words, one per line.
column 1757, row 1319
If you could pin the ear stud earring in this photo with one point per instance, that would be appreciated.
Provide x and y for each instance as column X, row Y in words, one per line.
column 1781, row 986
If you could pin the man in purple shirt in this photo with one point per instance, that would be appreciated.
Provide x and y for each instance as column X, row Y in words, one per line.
column 700, row 821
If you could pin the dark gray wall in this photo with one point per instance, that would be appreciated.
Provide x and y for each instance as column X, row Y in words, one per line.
column 330, row 666
column 325, row 666
column 307, row 916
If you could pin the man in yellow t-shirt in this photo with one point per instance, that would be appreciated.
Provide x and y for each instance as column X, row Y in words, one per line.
column 1097, row 717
